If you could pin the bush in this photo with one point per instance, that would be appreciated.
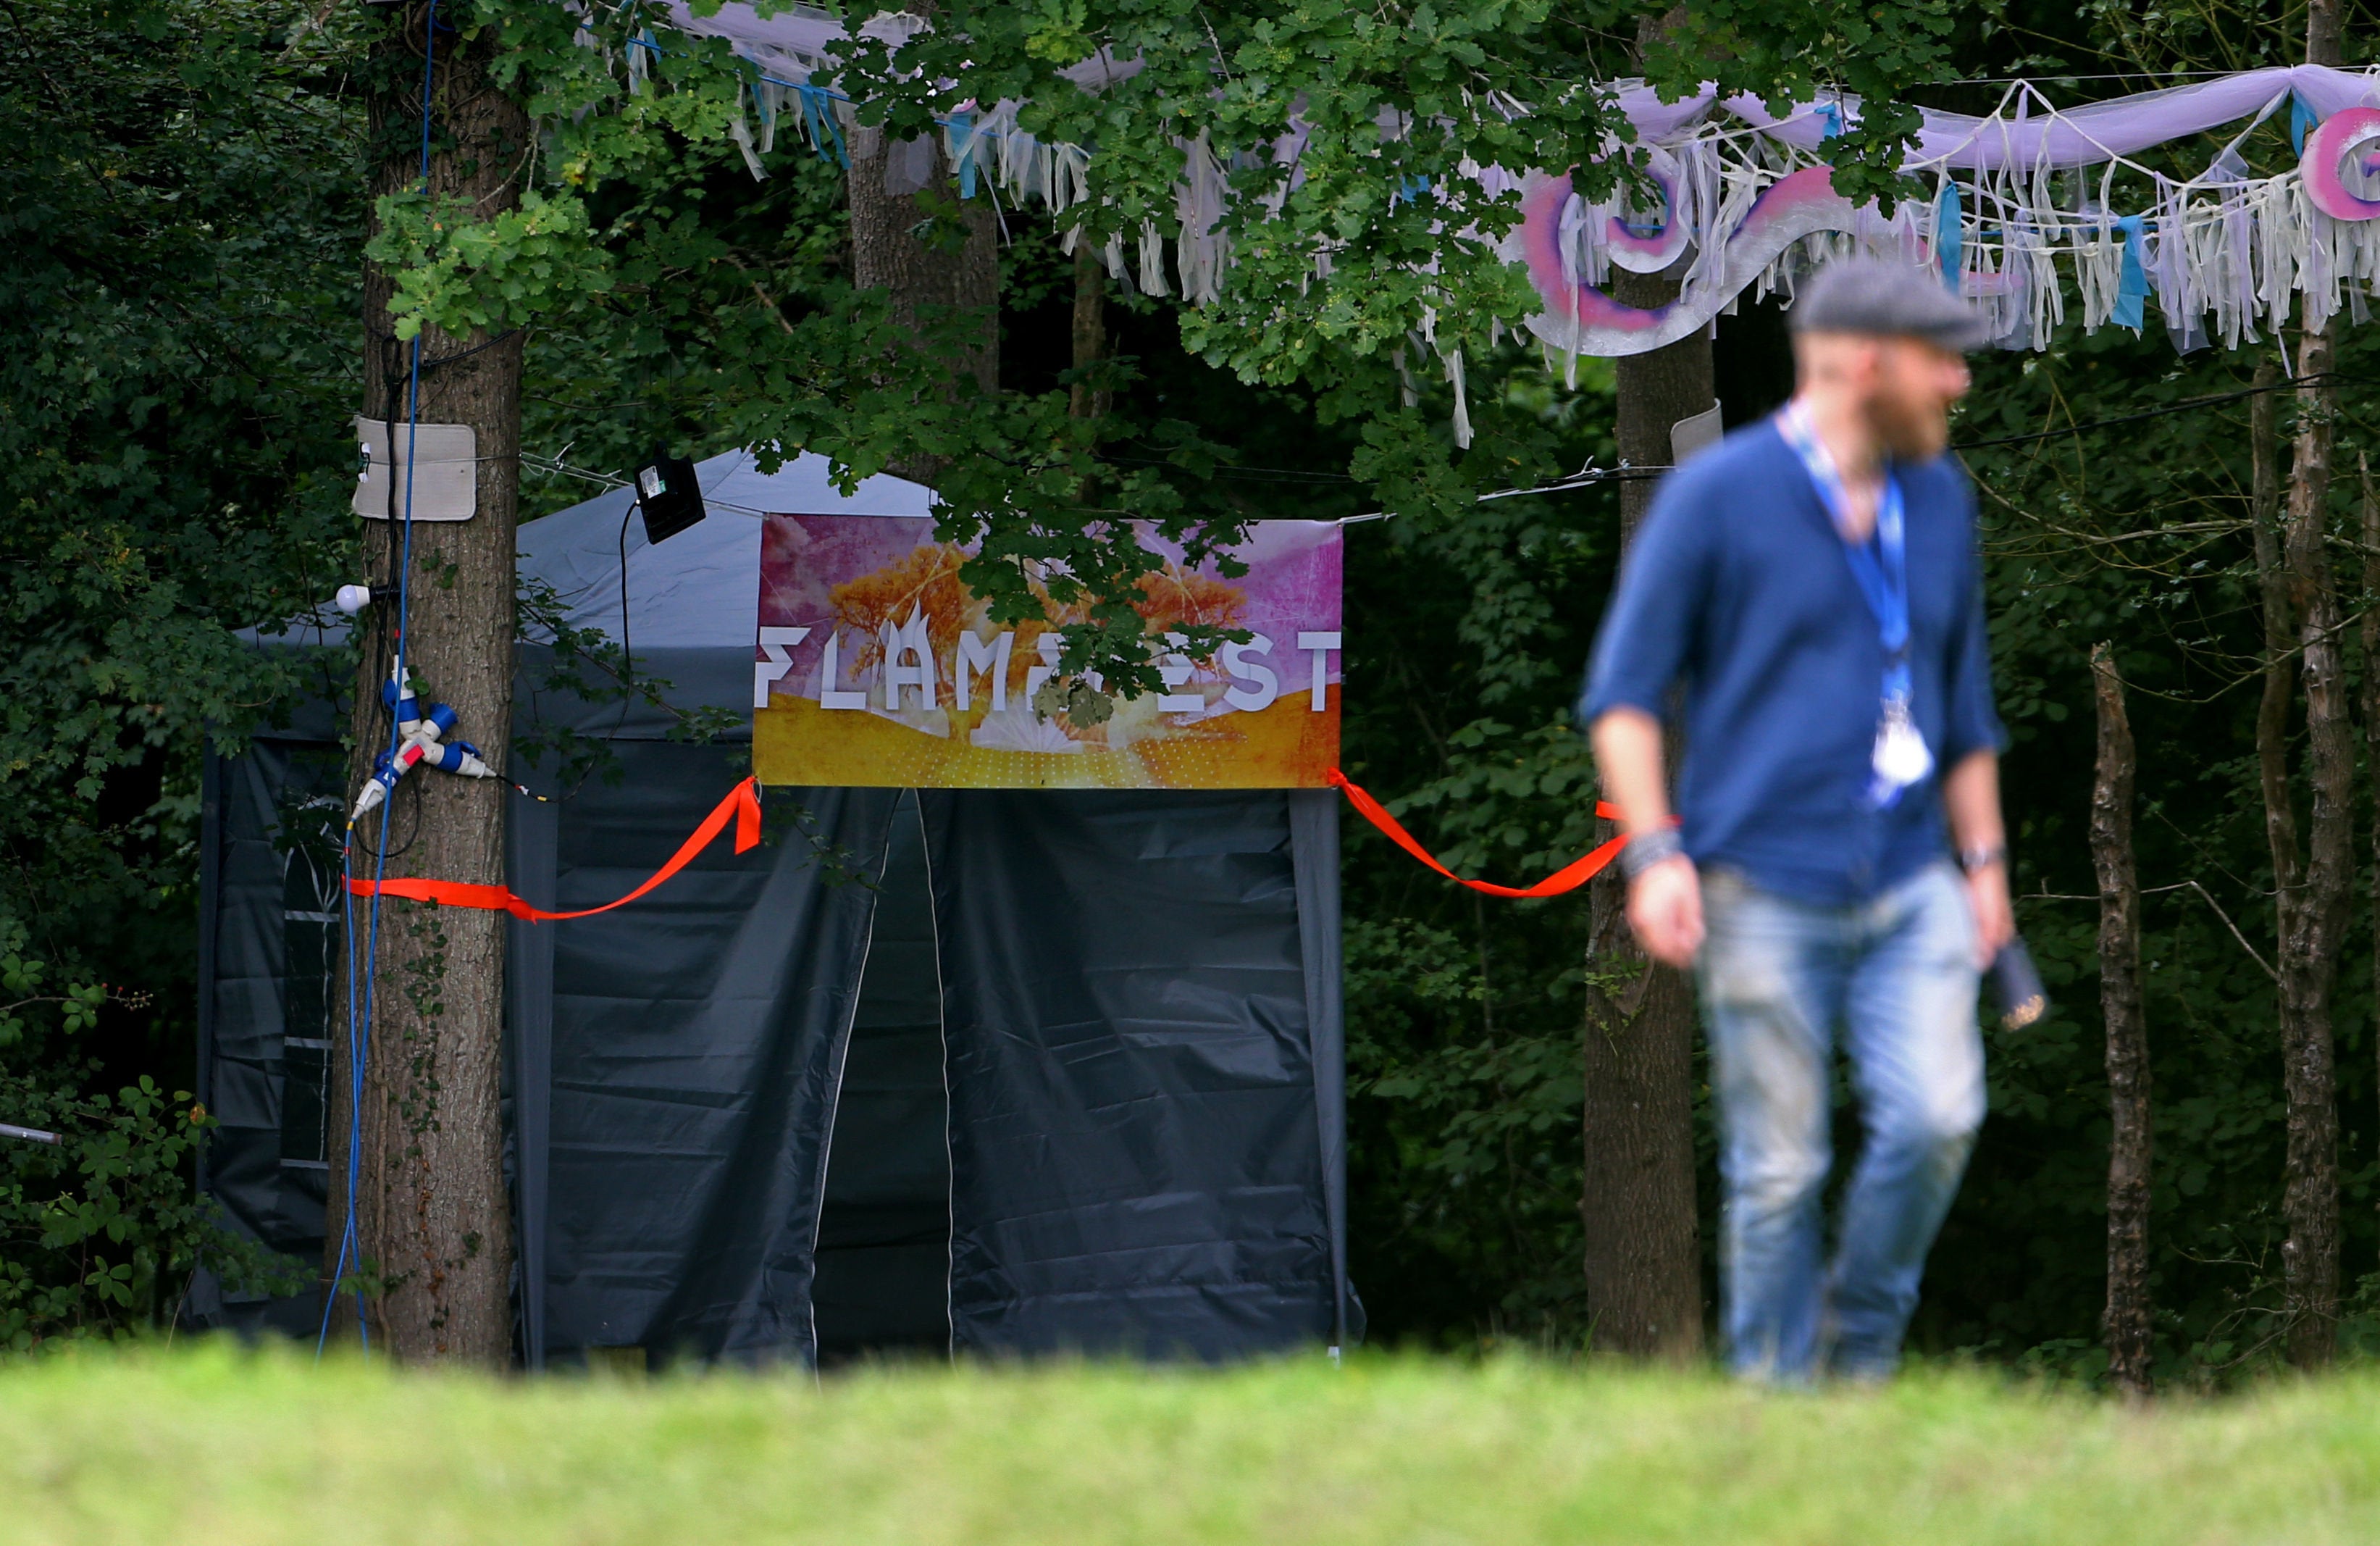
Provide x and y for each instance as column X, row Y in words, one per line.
column 99, row 1233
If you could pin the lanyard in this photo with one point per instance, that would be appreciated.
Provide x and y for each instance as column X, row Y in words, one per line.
column 1882, row 568
column 1881, row 565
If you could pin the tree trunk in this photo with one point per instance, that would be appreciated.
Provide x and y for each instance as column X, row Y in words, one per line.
column 1086, row 399
column 2130, row 1311
column 433, row 1220
column 2312, row 895
column 2280, row 660
column 1644, row 1254
column 2325, row 32
column 2317, row 925
column 2371, row 609
column 935, row 255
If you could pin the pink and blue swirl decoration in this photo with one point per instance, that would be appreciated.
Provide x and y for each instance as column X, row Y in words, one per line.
column 1581, row 319
column 2341, row 138
column 1640, row 241
column 2341, row 169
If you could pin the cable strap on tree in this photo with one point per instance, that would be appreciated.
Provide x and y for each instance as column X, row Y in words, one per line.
column 1568, row 878
column 741, row 804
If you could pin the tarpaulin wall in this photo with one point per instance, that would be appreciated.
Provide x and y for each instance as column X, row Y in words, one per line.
column 262, row 1007
column 1115, row 1013
column 883, row 1272
column 695, row 1045
column 1137, row 1162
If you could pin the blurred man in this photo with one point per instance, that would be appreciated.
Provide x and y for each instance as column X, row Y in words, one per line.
column 1839, row 868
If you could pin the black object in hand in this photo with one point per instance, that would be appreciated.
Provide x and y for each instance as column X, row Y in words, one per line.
column 2016, row 987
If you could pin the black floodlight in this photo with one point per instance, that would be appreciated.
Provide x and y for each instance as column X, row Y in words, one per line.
column 670, row 496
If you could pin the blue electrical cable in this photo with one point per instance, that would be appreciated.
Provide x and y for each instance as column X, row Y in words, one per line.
column 346, row 1236
column 360, row 1025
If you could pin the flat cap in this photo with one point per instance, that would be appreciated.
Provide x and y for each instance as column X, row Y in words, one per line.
column 1868, row 294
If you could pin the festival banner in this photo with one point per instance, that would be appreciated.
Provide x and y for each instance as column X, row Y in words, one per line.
column 876, row 665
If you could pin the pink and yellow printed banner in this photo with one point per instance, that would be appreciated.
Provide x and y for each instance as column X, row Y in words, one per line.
column 876, row 665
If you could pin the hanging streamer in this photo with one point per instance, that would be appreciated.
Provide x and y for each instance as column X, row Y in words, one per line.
column 962, row 143
column 1949, row 233
column 1568, row 878
column 742, row 806
column 819, row 124
column 741, row 132
column 2133, row 287
column 2222, row 253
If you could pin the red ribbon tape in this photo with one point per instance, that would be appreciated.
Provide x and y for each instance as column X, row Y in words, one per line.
column 742, row 803
column 1568, row 878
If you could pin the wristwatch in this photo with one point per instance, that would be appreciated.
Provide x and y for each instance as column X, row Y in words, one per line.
column 1982, row 857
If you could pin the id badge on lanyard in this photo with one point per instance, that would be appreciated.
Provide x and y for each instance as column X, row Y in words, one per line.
column 1900, row 756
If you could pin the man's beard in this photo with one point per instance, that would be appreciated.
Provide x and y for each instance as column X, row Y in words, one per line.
column 1910, row 432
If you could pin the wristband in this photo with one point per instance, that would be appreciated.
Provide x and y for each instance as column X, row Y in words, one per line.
column 1646, row 850
column 1982, row 857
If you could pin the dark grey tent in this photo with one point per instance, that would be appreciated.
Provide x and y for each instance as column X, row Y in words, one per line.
column 1065, row 1071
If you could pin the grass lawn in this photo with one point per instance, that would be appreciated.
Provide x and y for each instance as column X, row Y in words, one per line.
column 216, row 1445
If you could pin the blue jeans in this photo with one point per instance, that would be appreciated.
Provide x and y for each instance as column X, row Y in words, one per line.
column 1778, row 976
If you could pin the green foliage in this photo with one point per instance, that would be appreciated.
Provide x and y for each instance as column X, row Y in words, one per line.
column 1377, row 233
column 100, row 1233
column 79, row 1002
column 1375, row 248
column 1801, row 50
column 177, row 234
column 461, row 275
column 2137, row 532
column 158, row 446
column 1468, row 633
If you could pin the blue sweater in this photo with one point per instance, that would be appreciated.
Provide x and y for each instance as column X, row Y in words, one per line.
column 1739, row 586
